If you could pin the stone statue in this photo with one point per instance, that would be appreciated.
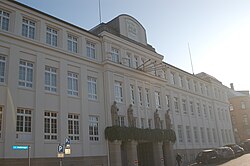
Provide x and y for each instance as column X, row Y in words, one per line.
column 168, row 120
column 157, row 119
column 131, row 122
column 114, row 114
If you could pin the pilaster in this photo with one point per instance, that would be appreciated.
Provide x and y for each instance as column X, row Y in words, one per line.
column 115, row 153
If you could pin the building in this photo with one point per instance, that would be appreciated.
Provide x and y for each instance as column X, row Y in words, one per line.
column 60, row 81
column 240, row 114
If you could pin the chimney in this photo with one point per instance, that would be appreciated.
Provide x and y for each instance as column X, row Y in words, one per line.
column 232, row 86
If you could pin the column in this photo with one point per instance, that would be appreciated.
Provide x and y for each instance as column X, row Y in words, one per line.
column 115, row 153
column 169, row 157
column 132, row 153
column 158, row 154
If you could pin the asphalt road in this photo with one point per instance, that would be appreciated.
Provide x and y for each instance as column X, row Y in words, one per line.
column 239, row 161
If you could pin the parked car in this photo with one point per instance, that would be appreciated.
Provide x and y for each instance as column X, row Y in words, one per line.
column 246, row 145
column 207, row 156
column 238, row 150
column 225, row 153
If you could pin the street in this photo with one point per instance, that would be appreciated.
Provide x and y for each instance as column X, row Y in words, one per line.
column 239, row 161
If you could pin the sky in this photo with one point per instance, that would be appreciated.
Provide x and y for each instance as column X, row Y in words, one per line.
column 217, row 31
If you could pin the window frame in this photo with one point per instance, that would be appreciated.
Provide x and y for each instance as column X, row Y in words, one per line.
column 51, row 36
column 94, row 128
column 91, row 50
column 4, row 19
column 51, row 73
column 118, row 91
column 3, row 63
column 115, row 55
column 92, row 88
column 28, row 69
column 30, row 28
column 73, row 85
column 50, row 133
column 72, row 43
column 23, row 120
column 74, row 127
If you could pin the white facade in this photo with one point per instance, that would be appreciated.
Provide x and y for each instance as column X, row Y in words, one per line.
column 58, row 81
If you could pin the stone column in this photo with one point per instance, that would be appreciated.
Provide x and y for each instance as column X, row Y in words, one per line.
column 132, row 153
column 169, row 156
column 115, row 153
column 158, row 154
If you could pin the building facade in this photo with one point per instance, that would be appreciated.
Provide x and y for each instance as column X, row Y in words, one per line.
column 60, row 81
column 240, row 114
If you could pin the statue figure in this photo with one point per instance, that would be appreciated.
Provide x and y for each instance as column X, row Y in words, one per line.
column 168, row 120
column 131, row 122
column 114, row 114
column 157, row 119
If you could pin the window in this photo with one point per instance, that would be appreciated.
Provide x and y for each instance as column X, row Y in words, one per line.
column 50, row 79
column 4, row 20
column 191, row 107
column 210, row 112
column 223, row 136
column 157, row 99
column 196, row 138
column 23, row 120
column 205, row 110
column 243, row 105
column 28, row 28
column 180, row 133
column 1, row 120
column 50, row 125
column 188, row 84
column 121, row 121
column 231, row 107
column 140, row 95
column 181, row 81
column 92, row 89
column 129, row 60
column 136, row 61
column 132, row 94
column 245, row 120
column 176, row 105
column 115, row 55
column 51, row 36
column 91, row 50
column 188, row 131
column 198, row 109
column 147, row 98
column 202, row 135
column 172, row 79
column 72, row 84
column 73, row 127
column 184, row 106
column 25, row 74
column 168, row 101
column 142, row 123
column 201, row 87
column 2, row 68
column 72, row 43
column 195, row 86
column 93, row 128
column 118, row 92
column 150, row 123
column 209, row 135
column 214, row 134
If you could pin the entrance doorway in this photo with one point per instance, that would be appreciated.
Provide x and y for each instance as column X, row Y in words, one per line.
column 145, row 154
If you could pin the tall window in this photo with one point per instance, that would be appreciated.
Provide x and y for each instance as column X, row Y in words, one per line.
column 129, row 60
column 93, row 128
column 50, row 125
column 147, row 98
column 180, row 133
column 214, row 134
column 91, row 50
column 205, row 110
column 23, row 120
column 132, row 94
column 118, row 92
column 157, row 99
column 28, row 28
column 72, row 43
column 245, row 120
column 191, row 107
column 51, row 36
column 181, row 81
column 72, row 84
column 168, row 101
column 210, row 112
column 4, row 20
column 92, row 88
column 121, row 121
column 196, row 137
column 73, row 127
column 25, row 74
column 2, row 68
column 142, row 123
column 198, row 109
column 176, row 105
column 188, row 132
column 243, row 105
column 136, row 61
column 188, row 84
column 50, row 79
column 209, row 135
column 184, row 106
column 195, row 86
column 115, row 55
column 140, row 95
column 1, row 120
column 172, row 79
column 223, row 136
column 150, row 123
column 202, row 135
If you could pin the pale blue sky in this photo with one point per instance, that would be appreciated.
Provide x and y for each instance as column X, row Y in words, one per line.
column 218, row 31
